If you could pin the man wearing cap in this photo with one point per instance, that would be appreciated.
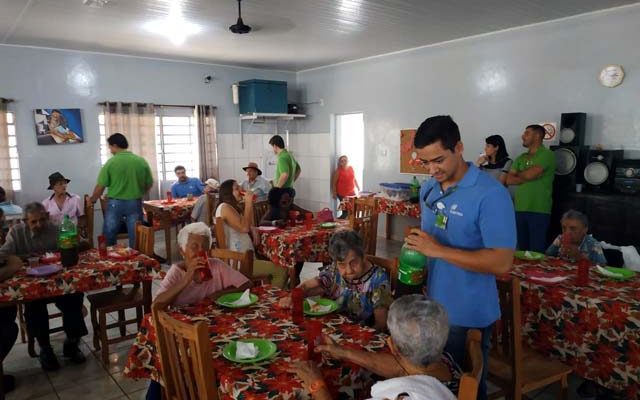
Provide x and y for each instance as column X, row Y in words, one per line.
column 200, row 213
column 61, row 202
column 185, row 186
column 255, row 182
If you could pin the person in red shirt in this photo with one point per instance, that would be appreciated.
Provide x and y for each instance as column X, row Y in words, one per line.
column 344, row 182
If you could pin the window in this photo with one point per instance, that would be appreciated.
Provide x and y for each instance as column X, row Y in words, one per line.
column 176, row 141
column 13, row 152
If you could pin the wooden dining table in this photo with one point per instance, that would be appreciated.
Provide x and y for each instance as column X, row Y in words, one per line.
column 594, row 328
column 162, row 215
column 269, row 379
column 290, row 245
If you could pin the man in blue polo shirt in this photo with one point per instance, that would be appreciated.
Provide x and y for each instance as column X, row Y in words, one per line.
column 185, row 185
column 468, row 233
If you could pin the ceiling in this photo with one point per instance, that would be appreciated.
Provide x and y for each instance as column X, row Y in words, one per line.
column 288, row 34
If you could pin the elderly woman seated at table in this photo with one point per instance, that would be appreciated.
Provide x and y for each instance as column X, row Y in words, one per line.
column 280, row 207
column 361, row 289
column 574, row 242
column 237, row 225
column 183, row 285
column 415, row 366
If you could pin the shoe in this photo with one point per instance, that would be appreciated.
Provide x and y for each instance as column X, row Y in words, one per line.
column 48, row 360
column 71, row 351
column 8, row 383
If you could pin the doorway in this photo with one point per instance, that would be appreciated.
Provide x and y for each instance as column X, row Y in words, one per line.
column 349, row 130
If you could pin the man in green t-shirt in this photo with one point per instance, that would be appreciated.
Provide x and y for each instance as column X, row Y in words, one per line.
column 533, row 172
column 128, row 178
column 287, row 168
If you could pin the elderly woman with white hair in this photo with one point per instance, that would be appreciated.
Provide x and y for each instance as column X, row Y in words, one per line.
column 182, row 285
column 416, row 367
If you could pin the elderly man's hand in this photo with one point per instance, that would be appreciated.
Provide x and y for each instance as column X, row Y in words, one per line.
column 424, row 243
column 331, row 348
column 307, row 371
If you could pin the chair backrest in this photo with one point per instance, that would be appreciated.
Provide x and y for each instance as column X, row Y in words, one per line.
column 390, row 264
column 239, row 261
column 88, row 219
column 212, row 203
column 260, row 208
column 144, row 239
column 364, row 219
column 507, row 335
column 185, row 356
column 221, row 238
column 468, row 389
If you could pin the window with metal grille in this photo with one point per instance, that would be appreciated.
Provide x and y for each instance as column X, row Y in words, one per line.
column 176, row 141
column 14, row 161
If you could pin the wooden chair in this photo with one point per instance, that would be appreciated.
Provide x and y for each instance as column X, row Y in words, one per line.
column 468, row 389
column 242, row 262
column 364, row 220
column 221, row 239
column 513, row 366
column 119, row 300
column 212, row 204
column 185, row 356
column 260, row 208
column 390, row 264
column 103, row 206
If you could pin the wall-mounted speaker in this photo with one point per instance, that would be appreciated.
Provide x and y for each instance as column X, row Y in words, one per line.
column 599, row 170
column 570, row 163
column 572, row 127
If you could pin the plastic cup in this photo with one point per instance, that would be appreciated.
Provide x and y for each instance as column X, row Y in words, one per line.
column 313, row 337
column 34, row 262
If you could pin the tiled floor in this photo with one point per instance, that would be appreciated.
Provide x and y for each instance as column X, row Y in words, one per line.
column 96, row 381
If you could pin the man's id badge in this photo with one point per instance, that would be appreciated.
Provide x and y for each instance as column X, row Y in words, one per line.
column 441, row 221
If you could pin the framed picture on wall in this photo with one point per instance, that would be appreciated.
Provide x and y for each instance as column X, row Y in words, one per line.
column 58, row 126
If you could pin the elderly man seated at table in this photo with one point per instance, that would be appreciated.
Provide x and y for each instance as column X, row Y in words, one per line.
column 200, row 212
column 185, row 186
column 415, row 368
column 255, row 182
column 183, row 284
column 574, row 242
column 36, row 236
column 361, row 289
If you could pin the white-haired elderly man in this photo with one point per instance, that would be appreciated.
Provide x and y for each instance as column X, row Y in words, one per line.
column 183, row 286
column 415, row 367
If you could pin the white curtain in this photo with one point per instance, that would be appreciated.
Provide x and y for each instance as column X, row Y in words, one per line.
column 5, row 164
column 208, row 142
column 136, row 121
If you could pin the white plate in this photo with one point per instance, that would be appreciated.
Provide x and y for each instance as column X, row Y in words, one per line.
column 44, row 270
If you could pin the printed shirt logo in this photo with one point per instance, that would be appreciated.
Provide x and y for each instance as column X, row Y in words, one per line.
column 454, row 211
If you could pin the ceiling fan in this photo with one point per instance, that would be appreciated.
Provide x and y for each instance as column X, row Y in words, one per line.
column 240, row 27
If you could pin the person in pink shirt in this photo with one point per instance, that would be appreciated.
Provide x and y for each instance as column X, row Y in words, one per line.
column 182, row 285
column 61, row 202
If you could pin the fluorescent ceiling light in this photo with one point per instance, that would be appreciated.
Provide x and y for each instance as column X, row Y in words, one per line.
column 175, row 27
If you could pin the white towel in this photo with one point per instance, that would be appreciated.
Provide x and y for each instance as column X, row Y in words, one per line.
column 318, row 309
column 243, row 300
column 246, row 350
column 418, row 387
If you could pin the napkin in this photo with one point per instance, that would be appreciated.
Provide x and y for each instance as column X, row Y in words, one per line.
column 246, row 350
column 49, row 254
column 550, row 279
column 317, row 308
column 243, row 300
column 528, row 254
column 608, row 273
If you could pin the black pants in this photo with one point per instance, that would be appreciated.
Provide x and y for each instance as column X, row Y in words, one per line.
column 8, row 329
column 37, row 317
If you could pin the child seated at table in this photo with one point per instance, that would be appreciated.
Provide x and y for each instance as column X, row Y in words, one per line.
column 361, row 289
column 183, row 285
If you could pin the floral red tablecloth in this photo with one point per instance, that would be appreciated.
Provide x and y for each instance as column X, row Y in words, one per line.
column 594, row 328
column 387, row 206
column 91, row 273
column 287, row 246
column 179, row 210
column 269, row 379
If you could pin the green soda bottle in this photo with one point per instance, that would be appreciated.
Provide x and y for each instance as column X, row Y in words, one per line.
column 68, row 242
column 415, row 190
column 411, row 272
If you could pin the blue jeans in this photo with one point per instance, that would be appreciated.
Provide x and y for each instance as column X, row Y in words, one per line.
column 456, row 346
column 129, row 211
column 532, row 230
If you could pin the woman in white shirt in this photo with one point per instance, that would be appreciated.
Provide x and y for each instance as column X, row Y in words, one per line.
column 61, row 202
column 237, row 225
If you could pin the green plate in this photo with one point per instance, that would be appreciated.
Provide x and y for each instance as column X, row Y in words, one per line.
column 266, row 349
column 626, row 273
column 322, row 302
column 328, row 225
column 533, row 255
column 227, row 299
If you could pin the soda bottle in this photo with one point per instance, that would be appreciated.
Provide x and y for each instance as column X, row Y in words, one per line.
column 102, row 246
column 297, row 306
column 68, row 242
column 415, row 190
column 411, row 272
column 584, row 265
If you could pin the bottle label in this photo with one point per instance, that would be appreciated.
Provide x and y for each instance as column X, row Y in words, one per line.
column 411, row 275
